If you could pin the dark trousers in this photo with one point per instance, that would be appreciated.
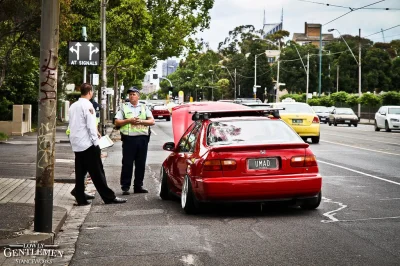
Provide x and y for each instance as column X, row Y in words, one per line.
column 134, row 149
column 90, row 161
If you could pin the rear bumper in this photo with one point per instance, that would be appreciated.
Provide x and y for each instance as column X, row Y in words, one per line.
column 346, row 121
column 307, row 131
column 257, row 188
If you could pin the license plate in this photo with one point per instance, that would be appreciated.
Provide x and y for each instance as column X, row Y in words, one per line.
column 347, row 121
column 160, row 116
column 323, row 118
column 262, row 163
column 297, row 121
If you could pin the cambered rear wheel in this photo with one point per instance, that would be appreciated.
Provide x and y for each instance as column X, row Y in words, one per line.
column 165, row 192
column 312, row 203
column 189, row 202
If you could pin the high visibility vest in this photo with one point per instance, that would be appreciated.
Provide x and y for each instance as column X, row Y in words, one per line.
column 134, row 130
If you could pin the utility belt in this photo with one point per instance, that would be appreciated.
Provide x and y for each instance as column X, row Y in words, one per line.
column 124, row 137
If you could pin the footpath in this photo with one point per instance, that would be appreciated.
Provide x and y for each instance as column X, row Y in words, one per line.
column 17, row 201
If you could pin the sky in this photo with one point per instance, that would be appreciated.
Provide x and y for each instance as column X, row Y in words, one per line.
column 228, row 14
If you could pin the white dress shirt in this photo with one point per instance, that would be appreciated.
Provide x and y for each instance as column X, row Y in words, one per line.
column 82, row 124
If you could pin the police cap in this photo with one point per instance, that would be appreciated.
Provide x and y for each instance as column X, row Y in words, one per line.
column 133, row 89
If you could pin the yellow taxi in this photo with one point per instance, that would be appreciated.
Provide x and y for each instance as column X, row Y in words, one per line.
column 301, row 117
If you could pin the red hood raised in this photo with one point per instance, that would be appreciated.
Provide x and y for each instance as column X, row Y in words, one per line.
column 181, row 119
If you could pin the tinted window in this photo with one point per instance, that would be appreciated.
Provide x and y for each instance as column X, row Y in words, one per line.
column 394, row 111
column 188, row 142
column 295, row 108
column 250, row 132
column 344, row 111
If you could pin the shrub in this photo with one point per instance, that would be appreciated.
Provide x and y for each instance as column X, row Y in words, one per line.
column 390, row 98
column 3, row 136
column 352, row 100
column 314, row 101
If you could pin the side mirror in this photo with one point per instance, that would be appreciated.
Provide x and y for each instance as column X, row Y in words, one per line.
column 169, row 146
column 384, row 113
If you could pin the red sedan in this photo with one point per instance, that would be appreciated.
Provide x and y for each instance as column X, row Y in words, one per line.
column 161, row 112
column 232, row 153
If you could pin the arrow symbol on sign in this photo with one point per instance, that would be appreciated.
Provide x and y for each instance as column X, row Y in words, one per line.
column 96, row 50
column 76, row 50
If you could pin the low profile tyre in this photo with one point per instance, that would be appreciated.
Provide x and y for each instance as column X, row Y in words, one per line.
column 311, row 204
column 315, row 140
column 355, row 125
column 168, row 119
column 165, row 193
column 188, row 200
column 387, row 129
column 376, row 127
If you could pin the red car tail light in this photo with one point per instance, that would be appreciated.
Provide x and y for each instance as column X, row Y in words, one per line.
column 303, row 161
column 218, row 165
column 316, row 119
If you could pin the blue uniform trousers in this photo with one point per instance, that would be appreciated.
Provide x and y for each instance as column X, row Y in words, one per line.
column 134, row 150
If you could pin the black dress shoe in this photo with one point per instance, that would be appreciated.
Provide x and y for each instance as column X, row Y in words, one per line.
column 126, row 192
column 87, row 196
column 140, row 190
column 116, row 201
column 84, row 203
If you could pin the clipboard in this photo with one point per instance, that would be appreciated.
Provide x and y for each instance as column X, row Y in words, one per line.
column 105, row 142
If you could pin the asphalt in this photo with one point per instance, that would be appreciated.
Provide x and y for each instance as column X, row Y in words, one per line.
column 17, row 194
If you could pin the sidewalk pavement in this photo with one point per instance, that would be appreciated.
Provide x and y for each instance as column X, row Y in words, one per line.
column 17, row 198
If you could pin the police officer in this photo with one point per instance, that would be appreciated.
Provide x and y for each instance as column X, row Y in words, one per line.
column 84, row 140
column 134, row 120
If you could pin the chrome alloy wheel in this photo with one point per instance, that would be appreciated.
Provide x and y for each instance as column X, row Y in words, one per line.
column 184, row 193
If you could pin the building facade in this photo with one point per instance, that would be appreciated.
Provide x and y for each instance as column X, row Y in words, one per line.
column 311, row 35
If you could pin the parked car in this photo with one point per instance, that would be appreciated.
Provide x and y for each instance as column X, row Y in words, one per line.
column 161, row 112
column 322, row 113
column 343, row 116
column 302, row 118
column 387, row 117
column 225, row 152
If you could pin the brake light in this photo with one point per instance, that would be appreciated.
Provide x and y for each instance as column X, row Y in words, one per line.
column 316, row 119
column 218, row 165
column 303, row 161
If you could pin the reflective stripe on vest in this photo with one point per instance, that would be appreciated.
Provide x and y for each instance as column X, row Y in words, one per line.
column 134, row 130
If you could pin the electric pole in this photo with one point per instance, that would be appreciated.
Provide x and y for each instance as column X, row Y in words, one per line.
column 103, row 87
column 49, row 38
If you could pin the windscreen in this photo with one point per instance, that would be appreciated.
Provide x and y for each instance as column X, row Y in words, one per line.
column 250, row 132
column 394, row 111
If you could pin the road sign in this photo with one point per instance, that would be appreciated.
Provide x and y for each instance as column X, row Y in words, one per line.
column 83, row 53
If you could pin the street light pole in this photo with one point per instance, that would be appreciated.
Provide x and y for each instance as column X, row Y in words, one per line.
column 84, row 35
column 235, row 83
column 308, row 75
column 357, row 61
column 234, row 80
column 102, row 92
column 255, row 77
column 277, row 75
column 320, row 62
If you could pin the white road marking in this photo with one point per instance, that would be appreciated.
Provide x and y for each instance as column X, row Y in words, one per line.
column 361, row 148
column 365, row 219
column 362, row 173
column 330, row 214
column 152, row 131
column 391, row 199
column 365, row 139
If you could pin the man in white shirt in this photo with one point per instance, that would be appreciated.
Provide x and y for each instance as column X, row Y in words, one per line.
column 84, row 140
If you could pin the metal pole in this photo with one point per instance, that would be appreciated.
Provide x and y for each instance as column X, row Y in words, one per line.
column 103, row 101
column 84, row 38
column 212, row 88
column 235, row 83
column 337, row 79
column 320, row 62
column 308, row 75
column 255, row 77
column 115, row 91
column 49, row 41
column 277, row 76
column 359, row 71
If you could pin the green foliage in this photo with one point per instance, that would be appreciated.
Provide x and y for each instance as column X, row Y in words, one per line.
column 326, row 101
column 5, row 109
column 390, row 98
column 339, row 98
column 73, row 96
column 296, row 97
column 314, row 102
column 370, row 99
column 352, row 100
column 3, row 136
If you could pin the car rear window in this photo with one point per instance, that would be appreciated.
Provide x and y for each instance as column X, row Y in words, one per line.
column 295, row 108
column 160, row 107
column 394, row 111
column 344, row 111
column 250, row 132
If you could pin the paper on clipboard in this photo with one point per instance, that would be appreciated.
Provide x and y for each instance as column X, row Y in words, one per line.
column 105, row 142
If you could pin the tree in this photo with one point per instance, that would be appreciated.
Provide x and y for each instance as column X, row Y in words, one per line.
column 391, row 98
column 377, row 78
column 396, row 74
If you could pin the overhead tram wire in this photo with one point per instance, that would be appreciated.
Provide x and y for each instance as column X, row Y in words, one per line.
column 348, row 7
column 352, row 10
column 382, row 31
